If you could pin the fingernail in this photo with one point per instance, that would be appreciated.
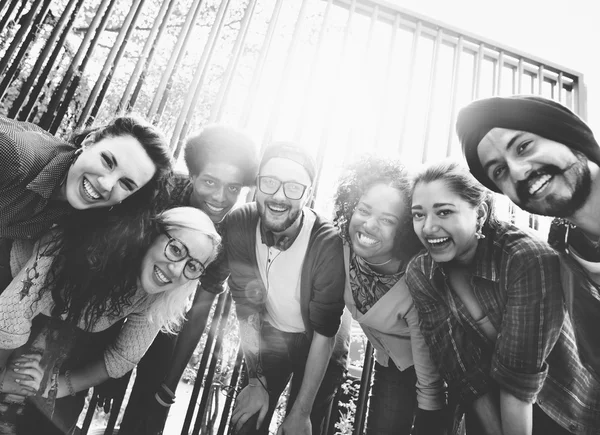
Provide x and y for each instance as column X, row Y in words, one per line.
column 15, row 369
column 18, row 381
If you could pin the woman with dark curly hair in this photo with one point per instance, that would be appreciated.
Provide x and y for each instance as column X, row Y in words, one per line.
column 81, row 281
column 44, row 178
column 372, row 211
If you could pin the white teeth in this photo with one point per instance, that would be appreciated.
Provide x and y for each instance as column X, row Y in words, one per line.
column 539, row 183
column 277, row 209
column 438, row 240
column 366, row 240
column 214, row 209
column 89, row 189
column 161, row 276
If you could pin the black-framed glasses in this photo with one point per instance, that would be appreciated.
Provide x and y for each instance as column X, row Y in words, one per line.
column 176, row 251
column 291, row 189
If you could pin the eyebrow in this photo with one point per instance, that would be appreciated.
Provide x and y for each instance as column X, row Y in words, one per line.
column 510, row 143
column 436, row 205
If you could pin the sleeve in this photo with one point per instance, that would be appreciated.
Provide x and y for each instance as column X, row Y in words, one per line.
column 531, row 323
column 431, row 392
column 17, row 313
column 9, row 156
column 131, row 344
column 328, row 279
column 216, row 274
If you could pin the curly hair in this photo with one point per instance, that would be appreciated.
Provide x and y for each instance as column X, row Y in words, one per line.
column 358, row 178
column 97, row 259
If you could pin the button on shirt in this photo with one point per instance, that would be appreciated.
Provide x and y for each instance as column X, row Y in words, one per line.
column 516, row 279
column 33, row 164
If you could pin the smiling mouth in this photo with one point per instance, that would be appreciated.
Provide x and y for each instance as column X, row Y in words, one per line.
column 214, row 209
column 90, row 191
column 366, row 240
column 539, row 183
column 438, row 242
column 277, row 208
column 161, row 277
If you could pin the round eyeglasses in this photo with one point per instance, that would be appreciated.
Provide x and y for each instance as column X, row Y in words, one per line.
column 291, row 189
column 176, row 251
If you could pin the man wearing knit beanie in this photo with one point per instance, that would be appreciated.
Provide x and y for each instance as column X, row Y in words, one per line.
column 547, row 161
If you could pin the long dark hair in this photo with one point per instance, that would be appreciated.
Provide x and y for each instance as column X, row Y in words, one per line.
column 359, row 177
column 97, row 261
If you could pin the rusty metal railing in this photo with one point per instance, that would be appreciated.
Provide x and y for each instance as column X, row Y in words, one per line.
column 339, row 76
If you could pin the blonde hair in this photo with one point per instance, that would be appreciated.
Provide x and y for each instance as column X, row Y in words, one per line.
column 168, row 308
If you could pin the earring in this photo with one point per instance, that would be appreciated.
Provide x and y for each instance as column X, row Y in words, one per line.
column 479, row 234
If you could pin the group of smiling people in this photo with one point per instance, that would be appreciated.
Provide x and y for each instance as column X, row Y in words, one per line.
column 478, row 325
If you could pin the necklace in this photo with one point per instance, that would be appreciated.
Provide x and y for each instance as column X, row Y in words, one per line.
column 378, row 264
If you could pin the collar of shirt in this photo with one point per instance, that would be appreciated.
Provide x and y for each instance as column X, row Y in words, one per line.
column 281, row 241
column 46, row 182
column 485, row 264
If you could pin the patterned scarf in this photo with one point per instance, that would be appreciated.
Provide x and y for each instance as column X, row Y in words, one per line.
column 367, row 285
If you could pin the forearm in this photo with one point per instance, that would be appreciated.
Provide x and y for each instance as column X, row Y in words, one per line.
column 81, row 379
column 188, row 338
column 250, row 342
column 487, row 410
column 4, row 356
column 316, row 365
column 517, row 415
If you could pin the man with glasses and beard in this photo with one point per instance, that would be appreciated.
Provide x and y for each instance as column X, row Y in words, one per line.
column 287, row 280
column 547, row 161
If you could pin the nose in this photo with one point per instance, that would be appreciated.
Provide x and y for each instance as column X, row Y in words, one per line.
column 371, row 224
column 107, row 182
column 279, row 195
column 430, row 226
column 176, row 268
column 519, row 169
column 219, row 195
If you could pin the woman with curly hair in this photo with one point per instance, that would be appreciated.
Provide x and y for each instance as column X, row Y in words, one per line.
column 372, row 211
column 80, row 282
column 44, row 178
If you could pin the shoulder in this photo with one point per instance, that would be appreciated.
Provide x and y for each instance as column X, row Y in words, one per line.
column 242, row 214
column 519, row 244
column 421, row 264
column 324, row 231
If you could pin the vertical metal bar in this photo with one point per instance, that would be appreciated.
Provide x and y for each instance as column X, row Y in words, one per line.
column 43, row 77
column 256, row 76
column 218, row 105
column 111, row 62
column 187, row 111
column 43, row 56
column 431, row 90
column 211, row 369
column 559, row 85
column 289, row 61
column 16, row 40
column 210, row 339
column 89, row 414
column 520, row 76
column 498, row 81
column 176, row 56
column 6, row 17
column 36, row 29
column 235, row 378
column 477, row 73
column 332, row 102
column 541, row 79
column 54, row 106
column 313, row 69
column 386, row 86
column 143, row 62
column 363, row 393
column 580, row 97
column 413, row 66
column 458, row 51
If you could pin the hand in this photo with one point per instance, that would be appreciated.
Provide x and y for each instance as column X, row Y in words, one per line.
column 109, row 390
column 23, row 376
column 295, row 424
column 252, row 399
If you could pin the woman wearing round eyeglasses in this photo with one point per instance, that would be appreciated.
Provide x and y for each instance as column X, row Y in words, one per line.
column 83, row 281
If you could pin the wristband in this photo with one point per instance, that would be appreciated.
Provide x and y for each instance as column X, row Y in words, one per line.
column 261, row 383
column 160, row 401
column 168, row 391
column 68, row 382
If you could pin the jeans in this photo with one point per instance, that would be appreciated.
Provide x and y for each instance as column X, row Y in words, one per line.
column 393, row 401
column 284, row 355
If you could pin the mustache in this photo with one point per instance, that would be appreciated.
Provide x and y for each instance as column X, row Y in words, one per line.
column 276, row 204
column 522, row 187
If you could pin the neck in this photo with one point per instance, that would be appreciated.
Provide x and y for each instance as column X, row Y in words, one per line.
column 388, row 267
column 586, row 218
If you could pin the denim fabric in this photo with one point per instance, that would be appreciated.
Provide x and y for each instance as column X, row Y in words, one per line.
column 284, row 355
column 393, row 401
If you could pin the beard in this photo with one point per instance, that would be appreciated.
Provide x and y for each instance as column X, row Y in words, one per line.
column 277, row 226
column 553, row 204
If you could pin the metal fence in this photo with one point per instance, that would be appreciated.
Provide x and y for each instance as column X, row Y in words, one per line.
column 341, row 77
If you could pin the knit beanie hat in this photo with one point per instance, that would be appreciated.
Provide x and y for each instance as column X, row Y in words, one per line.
column 290, row 151
column 537, row 115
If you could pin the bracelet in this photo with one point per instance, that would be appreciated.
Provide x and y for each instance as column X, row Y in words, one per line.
column 2, row 373
column 168, row 391
column 68, row 382
column 160, row 401
column 261, row 383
